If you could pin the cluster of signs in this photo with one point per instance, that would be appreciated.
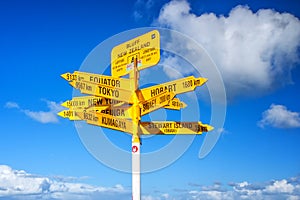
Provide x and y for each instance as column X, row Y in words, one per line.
column 110, row 98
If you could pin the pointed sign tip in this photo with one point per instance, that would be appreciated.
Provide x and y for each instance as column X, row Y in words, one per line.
column 183, row 105
column 209, row 128
column 204, row 80
column 61, row 114
column 205, row 127
column 65, row 76
column 65, row 104
column 72, row 83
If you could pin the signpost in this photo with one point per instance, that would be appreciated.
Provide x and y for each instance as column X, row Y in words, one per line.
column 118, row 103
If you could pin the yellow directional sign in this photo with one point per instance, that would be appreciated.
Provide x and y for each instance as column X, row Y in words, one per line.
column 146, row 48
column 121, row 112
column 171, row 127
column 178, row 86
column 102, row 91
column 107, row 121
column 156, row 102
column 103, row 80
column 71, row 114
column 175, row 104
column 90, row 101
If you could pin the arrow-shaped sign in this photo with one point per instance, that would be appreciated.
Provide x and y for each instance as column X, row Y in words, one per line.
column 179, row 86
column 70, row 114
column 119, row 111
column 90, row 101
column 107, row 121
column 157, row 102
column 121, row 83
column 171, row 127
column 102, row 91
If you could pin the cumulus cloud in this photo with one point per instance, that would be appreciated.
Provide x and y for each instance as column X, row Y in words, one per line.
column 149, row 197
column 11, row 104
column 44, row 117
column 254, row 51
column 165, row 195
column 281, row 186
column 18, row 184
column 272, row 190
column 279, row 116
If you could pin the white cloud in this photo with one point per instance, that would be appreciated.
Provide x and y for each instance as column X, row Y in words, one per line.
column 281, row 186
column 166, row 196
column 255, row 52
column 18, row 184
column 280, row 117
column 273, row 190
column 40, row 116
column 11, row 104
column 149, row 197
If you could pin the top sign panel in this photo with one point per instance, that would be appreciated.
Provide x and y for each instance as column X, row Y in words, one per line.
column 146, row 48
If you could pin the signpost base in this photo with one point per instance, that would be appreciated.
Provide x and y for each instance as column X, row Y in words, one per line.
column 136, row 169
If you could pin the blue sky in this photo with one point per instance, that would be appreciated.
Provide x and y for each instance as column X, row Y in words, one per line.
column 255, row 47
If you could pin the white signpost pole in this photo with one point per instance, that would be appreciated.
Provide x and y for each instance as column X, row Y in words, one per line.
column 136, row 169
column 136, row 153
